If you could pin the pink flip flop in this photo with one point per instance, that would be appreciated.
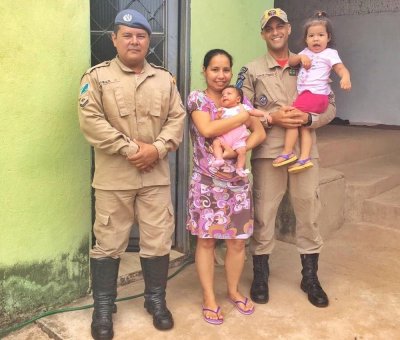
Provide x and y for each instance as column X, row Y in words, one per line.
column 210, row 320
column 244, row 303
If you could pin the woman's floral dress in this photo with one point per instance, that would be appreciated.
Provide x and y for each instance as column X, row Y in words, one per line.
column 220, row 203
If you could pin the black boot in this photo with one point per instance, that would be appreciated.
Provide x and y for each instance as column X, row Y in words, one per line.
column 310, row 283
column 155, row 273
column 104, row 284
column 259, row 287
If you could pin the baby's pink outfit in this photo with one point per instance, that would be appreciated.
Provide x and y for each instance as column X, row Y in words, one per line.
column 236, row 138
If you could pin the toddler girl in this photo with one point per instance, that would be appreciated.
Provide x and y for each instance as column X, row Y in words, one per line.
column 316, row 60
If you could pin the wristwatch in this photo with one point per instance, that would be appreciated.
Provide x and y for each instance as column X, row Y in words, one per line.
column 266, row 120
column 309, row 120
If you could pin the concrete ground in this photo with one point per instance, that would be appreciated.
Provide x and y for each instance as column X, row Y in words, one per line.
column 359, row 269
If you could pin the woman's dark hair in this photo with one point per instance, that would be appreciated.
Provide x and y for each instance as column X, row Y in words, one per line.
column 320, row 18
column 212, row 53
column 238, row 90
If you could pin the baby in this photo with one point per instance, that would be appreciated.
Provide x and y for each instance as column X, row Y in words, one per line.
column 231, row 105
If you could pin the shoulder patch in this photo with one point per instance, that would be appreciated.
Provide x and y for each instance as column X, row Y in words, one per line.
column 84, row 88
column 83, row 101
column 263, row 100
column 243, row 70
column 241, row 77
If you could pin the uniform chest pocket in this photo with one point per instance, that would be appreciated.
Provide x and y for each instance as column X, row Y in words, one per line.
column 121, row 103
column 267, row 90
column 114, row 102
column 157, row 107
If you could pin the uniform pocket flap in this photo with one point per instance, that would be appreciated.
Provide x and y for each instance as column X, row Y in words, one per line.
column 122, row 107
column 171, row 209
column 103, row 219
column 156, row 105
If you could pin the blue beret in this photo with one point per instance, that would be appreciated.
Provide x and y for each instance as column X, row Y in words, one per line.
column 132, row 18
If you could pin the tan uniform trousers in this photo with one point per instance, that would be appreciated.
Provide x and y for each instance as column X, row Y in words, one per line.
column 269, row 186
column 116, row 212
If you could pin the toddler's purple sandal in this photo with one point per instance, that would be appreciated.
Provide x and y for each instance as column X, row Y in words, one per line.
column 301, row 165
column 288, row 158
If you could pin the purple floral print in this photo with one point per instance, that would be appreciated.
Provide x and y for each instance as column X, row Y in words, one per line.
column 220, row 202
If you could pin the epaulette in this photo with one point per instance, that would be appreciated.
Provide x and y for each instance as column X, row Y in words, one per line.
column 103, row 64
column 161, row 68
column 164, row 69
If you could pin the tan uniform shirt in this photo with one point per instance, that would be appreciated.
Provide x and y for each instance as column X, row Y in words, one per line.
column 117, row 106
column 269, row 87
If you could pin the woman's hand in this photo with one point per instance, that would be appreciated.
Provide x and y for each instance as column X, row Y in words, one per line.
column 219, row 113
column 212, row 128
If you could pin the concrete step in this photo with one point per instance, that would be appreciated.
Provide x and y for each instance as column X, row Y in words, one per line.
column 383, row 209
column 347, row 144
column 368, row 178
column 332, row 192
column 357, row 163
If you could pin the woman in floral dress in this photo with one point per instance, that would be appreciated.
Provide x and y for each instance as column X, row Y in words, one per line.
column 220, row 203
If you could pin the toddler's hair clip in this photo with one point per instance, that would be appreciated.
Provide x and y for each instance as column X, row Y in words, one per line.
column 321, row 14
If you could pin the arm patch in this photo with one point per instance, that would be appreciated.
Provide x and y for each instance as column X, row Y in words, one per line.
column 241, row 77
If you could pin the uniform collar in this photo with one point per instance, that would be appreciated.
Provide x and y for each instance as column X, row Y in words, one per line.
column 147, row 69
column 271, row 62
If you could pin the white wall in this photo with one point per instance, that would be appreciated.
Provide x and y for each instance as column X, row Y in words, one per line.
column 370, row 46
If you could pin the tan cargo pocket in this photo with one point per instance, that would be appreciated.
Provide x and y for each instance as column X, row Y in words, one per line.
column 169, row 221
column 257, row 199
column 102, row 219
column 171, row 209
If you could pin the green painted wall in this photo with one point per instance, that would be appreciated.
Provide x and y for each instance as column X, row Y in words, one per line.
column 44, row 161
column 233, row 25
column 45, row 200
